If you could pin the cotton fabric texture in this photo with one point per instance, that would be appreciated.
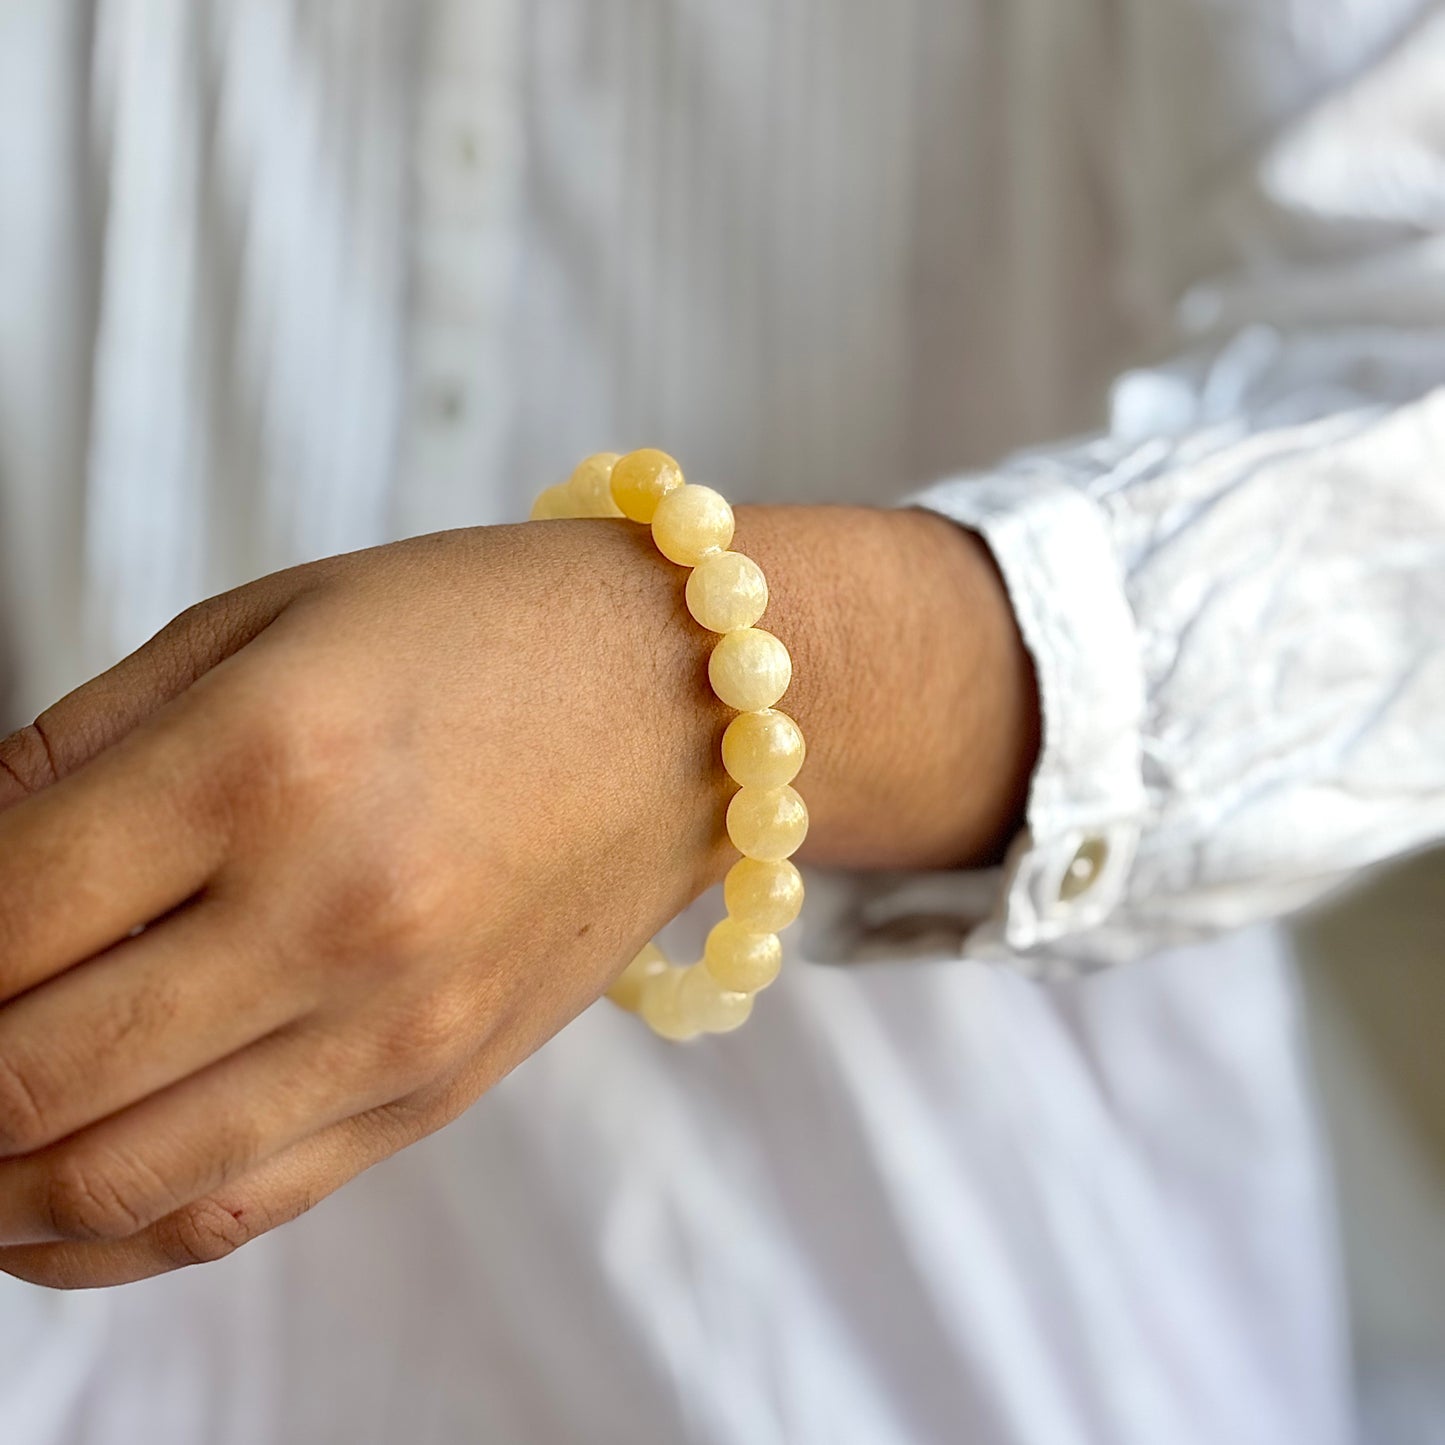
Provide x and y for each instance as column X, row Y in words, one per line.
column 286, row 278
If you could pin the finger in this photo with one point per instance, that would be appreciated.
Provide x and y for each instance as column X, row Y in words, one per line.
column 144, row 1015
column 214, row 1226
column 125, row 1173
column 112, row 847
column 283, row 1187
column 101, row 712
column 219, row 1222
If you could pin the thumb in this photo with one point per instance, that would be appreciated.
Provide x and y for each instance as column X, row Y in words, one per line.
column 101, row 712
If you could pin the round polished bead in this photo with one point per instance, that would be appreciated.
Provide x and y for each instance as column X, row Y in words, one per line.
column 590, row 487
column 661, row 1006
column 749, row 669
column 553, row 503
column 767, row 823
column 690, row 522
column 702, row 1000
column 763, row 749
column 626, row 992
column 740, row 960
column 640, row 480
column 726, row 591
column 762, row 895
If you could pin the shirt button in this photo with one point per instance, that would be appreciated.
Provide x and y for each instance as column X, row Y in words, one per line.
column 469, row 149
column 1084, row 870
column 445, row 403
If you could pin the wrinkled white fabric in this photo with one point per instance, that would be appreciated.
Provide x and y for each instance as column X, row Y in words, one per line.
column 1243, row 731
column 283, row 278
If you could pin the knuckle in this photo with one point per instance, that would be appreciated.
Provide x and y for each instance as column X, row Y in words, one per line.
column 300, row 735
column 250, row 749
column 201, row 627
column 237, row 1142
column 392, row 898
column 28, row 758
column 422, row 1039
column 91, row 1200
column 23, row 1122
column 383, row 905
column 181, row 650
column 425, row 1110
column 146, row 1010
column 293, row 751
column 206, row 1231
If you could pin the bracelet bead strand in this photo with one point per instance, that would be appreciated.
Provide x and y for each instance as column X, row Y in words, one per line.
column 762, row 749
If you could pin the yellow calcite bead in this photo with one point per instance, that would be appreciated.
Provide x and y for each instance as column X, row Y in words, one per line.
column 749, row 669
column 661, row 1007
column 763, row 749
column 767, row 823
column 640, row 480
column 763, row 896
column 705, row 1002
column 553, row 503
column 739, row 960
column 590, row 487
column 627, row 991
column 726, row 591
column 690, row 522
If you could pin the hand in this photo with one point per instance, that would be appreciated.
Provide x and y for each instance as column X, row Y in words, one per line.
column 390, row 820
column 292, row 886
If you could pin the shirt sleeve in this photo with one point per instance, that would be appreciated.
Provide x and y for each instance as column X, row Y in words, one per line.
column 1235, row 596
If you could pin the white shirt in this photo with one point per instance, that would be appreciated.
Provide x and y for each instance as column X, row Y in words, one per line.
column 287, row 278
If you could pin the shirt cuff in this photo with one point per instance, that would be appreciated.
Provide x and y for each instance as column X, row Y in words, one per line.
column 1067, row 869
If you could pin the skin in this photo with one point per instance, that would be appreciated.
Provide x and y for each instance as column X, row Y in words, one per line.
column 292, row 886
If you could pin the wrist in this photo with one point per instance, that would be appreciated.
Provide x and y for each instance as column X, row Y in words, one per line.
column 927, row 725
column 647, row 704
column 911, row 683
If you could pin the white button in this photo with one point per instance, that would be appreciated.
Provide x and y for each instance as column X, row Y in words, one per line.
column 457, row 178
column 1083, row 871
column 469, row 149
column 445, row 402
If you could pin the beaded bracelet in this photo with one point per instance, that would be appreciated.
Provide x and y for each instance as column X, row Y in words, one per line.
column 762, row 748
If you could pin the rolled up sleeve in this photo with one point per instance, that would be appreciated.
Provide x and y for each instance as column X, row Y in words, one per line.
column 1086, row 800
column 1239, row 638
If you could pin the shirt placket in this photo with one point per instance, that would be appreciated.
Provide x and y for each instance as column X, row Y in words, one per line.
column 466, row 171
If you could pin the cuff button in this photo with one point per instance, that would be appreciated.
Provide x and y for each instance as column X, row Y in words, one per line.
column 1084, row 869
